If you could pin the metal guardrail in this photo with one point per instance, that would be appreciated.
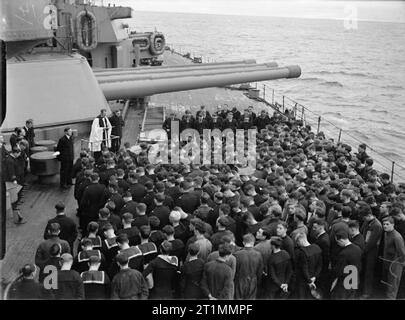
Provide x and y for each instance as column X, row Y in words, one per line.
column 192, row 56
column 332, row 131
column 85, row 143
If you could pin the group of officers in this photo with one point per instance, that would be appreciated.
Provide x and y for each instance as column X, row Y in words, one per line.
column 314, row 221
column 223, row 118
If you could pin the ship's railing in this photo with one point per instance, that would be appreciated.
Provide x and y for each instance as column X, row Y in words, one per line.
column 320, row 124
column 190, row 55
column 87, row 145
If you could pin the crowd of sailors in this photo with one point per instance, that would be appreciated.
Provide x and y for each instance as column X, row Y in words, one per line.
column 314, row 221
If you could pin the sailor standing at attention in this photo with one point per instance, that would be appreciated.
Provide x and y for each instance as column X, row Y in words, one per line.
column 100, row 135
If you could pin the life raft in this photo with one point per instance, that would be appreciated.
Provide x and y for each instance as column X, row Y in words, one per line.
column 143, row 42
column 158, row 43
column 86, row 28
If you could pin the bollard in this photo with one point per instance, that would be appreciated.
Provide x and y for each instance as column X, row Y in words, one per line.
column 392, row 171
column 340, row 135
column 283, row 103
column 319, row 124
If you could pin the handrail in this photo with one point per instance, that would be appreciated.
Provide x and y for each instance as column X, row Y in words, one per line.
column 304, row 113
column 189, row 55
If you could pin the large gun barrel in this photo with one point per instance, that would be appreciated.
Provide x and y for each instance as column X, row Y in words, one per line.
column 142, row 87
column 175, row 73
column 114, row 71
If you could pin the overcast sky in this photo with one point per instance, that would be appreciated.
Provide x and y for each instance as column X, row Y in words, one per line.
column 326, row 9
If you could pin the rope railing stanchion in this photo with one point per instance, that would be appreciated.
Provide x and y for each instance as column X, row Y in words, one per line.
column 264, row 92
column 392, row 171
column 283, row 104
column 319, row 124
column 272, row 97
column 340, row 135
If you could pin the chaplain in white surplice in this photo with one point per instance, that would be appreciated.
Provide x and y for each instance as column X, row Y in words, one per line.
column 100, row 135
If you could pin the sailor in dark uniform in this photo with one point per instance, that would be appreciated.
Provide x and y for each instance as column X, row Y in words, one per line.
column 110, row 246
column 96, row 282
column 192, row 273
column 147, row 247
column 131, row 231
column 249, row 270
column 92, row 230
column 164, row 269
column 81, row 261
column 130, row 205
column 135, row 259
column 188, row 201
column 129, row 283
column 27, row 287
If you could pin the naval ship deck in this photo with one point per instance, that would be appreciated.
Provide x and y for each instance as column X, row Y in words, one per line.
column 39, row 200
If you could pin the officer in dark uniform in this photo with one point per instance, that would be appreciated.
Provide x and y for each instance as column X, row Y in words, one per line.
column 246, row 124
column 117, row 122
column 29, row 132
column 167, row 124
column 262, row 120
column 216, row 122
column 200, row 124
column 229, row 122
column 66, row 156
column 187, row 121
column 96, row 283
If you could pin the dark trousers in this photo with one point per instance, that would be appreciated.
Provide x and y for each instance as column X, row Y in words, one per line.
column 368, row 271
column 115, row 144
column 66, row 169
